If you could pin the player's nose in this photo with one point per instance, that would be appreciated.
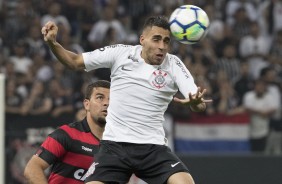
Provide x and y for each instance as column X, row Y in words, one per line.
column 161, row 45
column 106, row 102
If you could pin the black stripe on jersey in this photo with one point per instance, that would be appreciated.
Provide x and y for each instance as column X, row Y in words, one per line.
column 67, row 170
column 82, row 127
column 46, row 155
column 74, row 146
column 62, row 137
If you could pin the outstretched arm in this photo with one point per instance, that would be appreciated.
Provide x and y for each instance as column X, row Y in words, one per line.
column 34, row 171
column 71, row 60
column 196, row 102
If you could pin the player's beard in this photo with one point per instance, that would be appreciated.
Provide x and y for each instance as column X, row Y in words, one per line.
column 101, row 121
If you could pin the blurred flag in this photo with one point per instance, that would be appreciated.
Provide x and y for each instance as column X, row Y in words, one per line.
column 216, row 133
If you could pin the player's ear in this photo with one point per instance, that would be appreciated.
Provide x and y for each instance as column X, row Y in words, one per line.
column 141, row 39
column 86, row 104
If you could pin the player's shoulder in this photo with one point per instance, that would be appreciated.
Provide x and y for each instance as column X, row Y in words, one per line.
column 118, row 46
column 117, row 49
column 71, row 126
column 121, row 45
column 74, row 124
column 173, row 59
column 61, row 132
column 178, row 65
column 67, row 131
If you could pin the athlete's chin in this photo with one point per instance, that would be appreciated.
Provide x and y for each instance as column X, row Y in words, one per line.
column 157, row 61
column 102, row 121
column 102, row 118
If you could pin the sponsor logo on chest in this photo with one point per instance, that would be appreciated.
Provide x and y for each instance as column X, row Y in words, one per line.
column 80, row 174
column 86, row 149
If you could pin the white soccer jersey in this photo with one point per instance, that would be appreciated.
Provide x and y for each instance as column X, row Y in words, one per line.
column 140, row 93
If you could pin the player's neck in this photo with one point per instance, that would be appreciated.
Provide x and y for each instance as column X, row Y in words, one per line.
column 96, row 129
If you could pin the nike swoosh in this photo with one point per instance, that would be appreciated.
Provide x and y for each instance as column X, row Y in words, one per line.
column 173, row 165
column 124, row 69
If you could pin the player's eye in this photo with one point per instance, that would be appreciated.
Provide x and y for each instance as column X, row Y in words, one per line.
column 167, row 41
column 100, row 98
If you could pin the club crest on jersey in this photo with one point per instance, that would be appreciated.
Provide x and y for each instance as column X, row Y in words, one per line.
column 159, row 79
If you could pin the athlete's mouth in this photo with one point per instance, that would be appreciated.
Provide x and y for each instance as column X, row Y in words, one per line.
column 160, row 55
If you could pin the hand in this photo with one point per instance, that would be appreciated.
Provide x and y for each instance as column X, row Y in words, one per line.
column 50, row 31
column 195, row 99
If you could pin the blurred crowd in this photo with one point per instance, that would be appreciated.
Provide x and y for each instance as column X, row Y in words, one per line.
column 244, row 39
column 240, row 56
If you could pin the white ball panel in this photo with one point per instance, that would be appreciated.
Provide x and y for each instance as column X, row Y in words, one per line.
column 186, row 16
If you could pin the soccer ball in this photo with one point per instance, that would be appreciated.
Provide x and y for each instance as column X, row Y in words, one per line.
column 189, row 24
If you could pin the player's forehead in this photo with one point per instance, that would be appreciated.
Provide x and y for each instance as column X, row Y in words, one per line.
column 100, row 91
column 156, row 31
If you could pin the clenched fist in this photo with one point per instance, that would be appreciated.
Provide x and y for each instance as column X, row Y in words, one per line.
column 49, row 31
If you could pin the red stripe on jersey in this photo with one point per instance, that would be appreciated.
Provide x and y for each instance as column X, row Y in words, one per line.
column 78, row 160
column 56, row 179
column 54, row 147
column 85, row 137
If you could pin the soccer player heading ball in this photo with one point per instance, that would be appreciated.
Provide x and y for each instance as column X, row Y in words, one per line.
column 144, row 79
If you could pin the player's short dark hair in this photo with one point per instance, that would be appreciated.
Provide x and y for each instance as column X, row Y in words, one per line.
column 97, row 84
column 159, row 21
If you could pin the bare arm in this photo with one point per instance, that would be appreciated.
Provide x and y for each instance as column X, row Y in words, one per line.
column 70, row 59
column 34, row 170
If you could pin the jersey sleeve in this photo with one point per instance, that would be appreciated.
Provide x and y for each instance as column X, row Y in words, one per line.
column 55, row 146
column 183, row 78
column 102, row 58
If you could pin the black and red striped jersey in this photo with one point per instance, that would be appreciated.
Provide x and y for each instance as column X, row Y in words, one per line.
column 69, row 149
